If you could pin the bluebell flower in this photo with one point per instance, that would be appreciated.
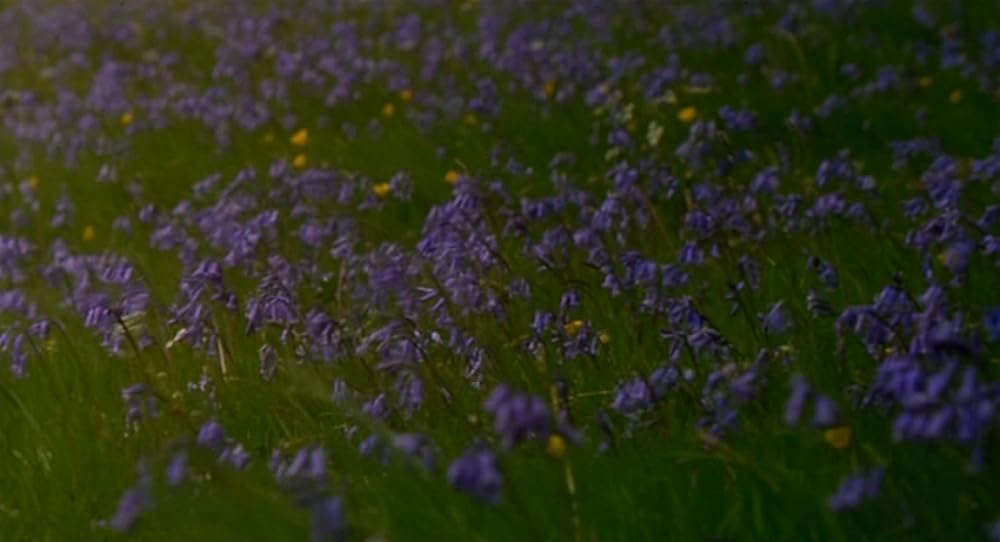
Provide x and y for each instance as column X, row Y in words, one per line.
column 477, row 473
column 212, row 436
column 737, row 120
column 826, row 413
column 235, row 456
column 329, row 521
column 776, row 321
column 993, row 531
column 416, row 446
column 991, row 323
column 304, row 477
column 139, row 403
column 177, row 468
column 632, row 396
column 133, row 503
column 754, row 54
column 518, row 416
column 663, row 379
column 766, row 181
column 857, row 489
column 691, row 254
column 797, row 400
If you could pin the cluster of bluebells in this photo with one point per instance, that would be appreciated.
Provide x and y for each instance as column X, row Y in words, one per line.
column 518, row 416
column 305, row 479
column 641, row 259
column 477, row 473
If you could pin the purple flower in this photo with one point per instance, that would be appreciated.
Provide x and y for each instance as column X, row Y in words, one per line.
column 212, row 436
column 991, row 323
column 329, row 522
column 993, row 531
column 371, row 445
column 956, row 256
column 923, row 16
column 518, row 416
column 136, row 501
column 376, row 408
column 235, row 456
column 139, row 404
column 633, row 395
column 341, row 392
column 663, row 379
column 177, row 469
column 776, row 321
column 826, row 412
column 304, row 477
column 273, row 306
column 415, row 446
column 690, row 254
column 797, row 400
column 744, row 386
column 856, row 489
column 754, row 54
column 825, row 270
column 477, row 473
column 766, row 181
column 133, row 503
column 737, row 120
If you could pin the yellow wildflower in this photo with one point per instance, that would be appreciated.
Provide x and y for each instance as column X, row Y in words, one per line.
column 388, row 110
column 300, row 161
column 549, row 88
column 604, row 337
column 381, row 190
column 471, row 119
column 556, row 446
column 452, row 176
column 925, row 81
column 955, row 96
column 127, row 118
column 688, row 114
column 300, row 138
column 950, row 256
column 573, row 327
column 838, row 437
column 89, row 233
column 406, row 96
column 33, row 182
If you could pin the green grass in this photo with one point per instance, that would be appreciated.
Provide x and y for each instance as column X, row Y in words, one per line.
column 66, row 454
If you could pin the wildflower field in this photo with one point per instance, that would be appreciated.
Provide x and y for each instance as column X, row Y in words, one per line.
column 583, row 270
